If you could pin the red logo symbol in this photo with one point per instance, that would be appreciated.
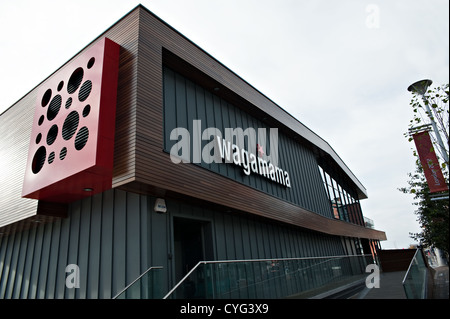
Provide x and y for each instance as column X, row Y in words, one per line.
column 72, row 139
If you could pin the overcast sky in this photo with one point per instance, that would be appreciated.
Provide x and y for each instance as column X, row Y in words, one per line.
column 342, row 68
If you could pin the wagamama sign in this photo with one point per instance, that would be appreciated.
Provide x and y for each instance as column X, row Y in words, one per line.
column 230, row 149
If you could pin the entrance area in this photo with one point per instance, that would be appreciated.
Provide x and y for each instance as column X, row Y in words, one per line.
column 192, row 243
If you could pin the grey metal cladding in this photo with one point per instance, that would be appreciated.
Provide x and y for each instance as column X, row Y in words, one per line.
column 184, row 102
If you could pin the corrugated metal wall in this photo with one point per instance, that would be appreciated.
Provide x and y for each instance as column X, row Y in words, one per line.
column 115, row 236
column 105, row 236
column 184, row 102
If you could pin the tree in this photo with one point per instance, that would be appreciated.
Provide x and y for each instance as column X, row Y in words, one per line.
column 433, row 215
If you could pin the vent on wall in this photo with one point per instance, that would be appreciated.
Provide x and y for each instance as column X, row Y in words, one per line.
column 69, row 150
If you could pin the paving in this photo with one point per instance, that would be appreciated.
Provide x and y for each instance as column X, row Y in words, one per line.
column 391, row 286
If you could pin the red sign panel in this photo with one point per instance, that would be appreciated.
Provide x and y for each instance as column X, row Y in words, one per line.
column 72, row 140
column 430, row 163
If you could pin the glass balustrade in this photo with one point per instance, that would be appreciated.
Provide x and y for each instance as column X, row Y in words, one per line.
column 415, row 281
column 270, row 278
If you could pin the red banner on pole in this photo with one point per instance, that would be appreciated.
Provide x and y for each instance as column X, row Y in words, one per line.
column 430, row 163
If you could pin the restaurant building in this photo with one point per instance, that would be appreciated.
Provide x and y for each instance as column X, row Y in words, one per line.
column 143, row 150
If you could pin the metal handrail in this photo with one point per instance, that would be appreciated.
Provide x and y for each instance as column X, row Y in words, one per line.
column 132, row 283
column 252, row 260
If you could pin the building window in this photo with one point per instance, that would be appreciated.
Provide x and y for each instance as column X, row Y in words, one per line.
column 344, row 206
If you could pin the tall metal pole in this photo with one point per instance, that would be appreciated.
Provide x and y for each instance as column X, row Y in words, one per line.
column 436, row 132
column 421, row 87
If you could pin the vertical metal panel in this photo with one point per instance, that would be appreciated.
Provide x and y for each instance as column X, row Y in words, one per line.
column 64, row 239
column 210, row 121
column 220, row 241
column 253, row 243
column 237, row 236
column 74, row 237
column 12, row 269
column 271, row 242
column 5, row 254
column 247, row 252
column 170, row 110
column 180, row 102
column 53, row 260
column 295, row 247
column 28, row 263
column 107, row 247
column 265, row 240
column 284, row 241
column 36, row 263
column 200, row 112
column 84, row 246
column 133, row 212
column 144, row 226
column 3, row 264
column 119, row 251
column 229, row 237
column 19, row 266
column 191, row 104
column 159, row 242
column 94, row 253
column 44, row 261
column 260, row 239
